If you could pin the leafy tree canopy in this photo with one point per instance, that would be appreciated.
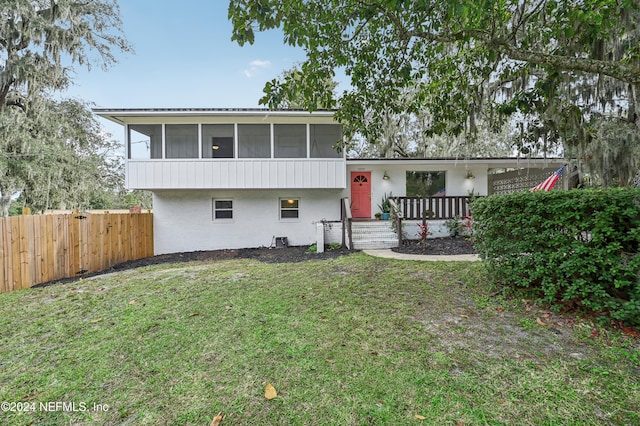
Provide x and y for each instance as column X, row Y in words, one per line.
column 37, row 38
column 56, row 156
column 548, row 64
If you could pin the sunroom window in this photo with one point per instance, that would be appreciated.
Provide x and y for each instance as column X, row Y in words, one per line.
column 217, row 141
column 323, row 139
column 290, row 140
column 254, row 141
column 181, row 140
column 145, row 141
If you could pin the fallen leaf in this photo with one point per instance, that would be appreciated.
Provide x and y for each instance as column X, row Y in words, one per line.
column 629, row 331
column 545, row 316
column 419, row 417
column 132, row 302
column 270, row 392
column 540, row 322
column 500, row 309
column 96, row 320
column 228, row 307
column 195, row 314
column 595, row 332
column 72, row 289
column 459, row 423
column 464, row 316
column 217, row 419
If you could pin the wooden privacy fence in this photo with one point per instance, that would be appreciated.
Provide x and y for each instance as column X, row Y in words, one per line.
column 41, row 248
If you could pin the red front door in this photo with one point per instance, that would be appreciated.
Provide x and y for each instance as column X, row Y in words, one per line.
column 361, row 194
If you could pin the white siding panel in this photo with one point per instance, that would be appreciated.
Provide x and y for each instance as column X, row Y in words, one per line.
column 306, row 178
column 272, row 174
column 208, row 176
column 249, row 174
column 315, row 181
column 166, row 175
column 298, row 173
column 241, row 174
column 223, row 170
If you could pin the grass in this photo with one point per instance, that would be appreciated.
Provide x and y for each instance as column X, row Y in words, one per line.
column 351, row 341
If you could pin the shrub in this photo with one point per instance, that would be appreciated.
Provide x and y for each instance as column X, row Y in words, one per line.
column 454, row 225
column 571, row 248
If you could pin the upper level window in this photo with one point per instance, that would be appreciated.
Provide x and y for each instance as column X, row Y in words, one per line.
column 181, row 140
column 324, row 139
column 217, row 141
column 145, row 141
column 290, row 140
column 254, row 141
column 289, row 208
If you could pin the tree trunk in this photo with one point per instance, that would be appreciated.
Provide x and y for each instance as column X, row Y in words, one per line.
column 5, row 202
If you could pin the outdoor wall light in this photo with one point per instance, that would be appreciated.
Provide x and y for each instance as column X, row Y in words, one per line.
column 216, row 147
column 470, row 175
column 385, row 176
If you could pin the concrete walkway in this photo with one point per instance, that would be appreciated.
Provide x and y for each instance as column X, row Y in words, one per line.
column 389, row 254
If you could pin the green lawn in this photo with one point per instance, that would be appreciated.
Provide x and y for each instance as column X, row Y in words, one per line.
column 350, row 341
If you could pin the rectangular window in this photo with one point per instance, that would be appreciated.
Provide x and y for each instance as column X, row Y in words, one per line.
column 145, row 141
column 325, row 138
column 217, row 141
column 222, row 209
column 290, row 140
column 289, row 208
column 254, row 141
column 426, row 184
column 181, row 140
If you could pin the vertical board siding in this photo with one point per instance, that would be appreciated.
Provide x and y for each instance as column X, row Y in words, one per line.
column 236, row 174
column 42, row 248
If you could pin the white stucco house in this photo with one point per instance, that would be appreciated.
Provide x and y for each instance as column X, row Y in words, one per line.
column 241, row 178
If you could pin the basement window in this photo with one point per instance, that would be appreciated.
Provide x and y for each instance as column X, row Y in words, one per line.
column 289, row 208
column 222, row 210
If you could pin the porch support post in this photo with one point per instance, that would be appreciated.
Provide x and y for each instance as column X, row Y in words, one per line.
column 320, row 237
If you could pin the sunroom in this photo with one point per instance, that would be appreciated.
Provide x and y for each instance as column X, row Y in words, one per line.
column 230, row 149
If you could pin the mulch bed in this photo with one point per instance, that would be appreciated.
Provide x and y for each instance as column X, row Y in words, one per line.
column 457, row 245
column 438, row 246
column 264, row 254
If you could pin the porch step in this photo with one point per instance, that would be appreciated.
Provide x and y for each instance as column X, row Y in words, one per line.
column 373, row 235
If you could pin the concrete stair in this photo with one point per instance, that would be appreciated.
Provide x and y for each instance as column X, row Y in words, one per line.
column 375, row 234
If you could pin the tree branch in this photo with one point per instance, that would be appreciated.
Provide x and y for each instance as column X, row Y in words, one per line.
column 617, row 70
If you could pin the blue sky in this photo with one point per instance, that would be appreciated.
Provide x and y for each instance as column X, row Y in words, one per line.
column 184, row 58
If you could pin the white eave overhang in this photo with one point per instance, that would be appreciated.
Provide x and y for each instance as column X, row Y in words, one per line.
column 125, row 115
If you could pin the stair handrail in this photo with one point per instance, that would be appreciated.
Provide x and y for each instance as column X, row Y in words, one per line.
column 346, row 219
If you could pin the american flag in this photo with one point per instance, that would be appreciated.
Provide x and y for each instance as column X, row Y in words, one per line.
column 549, row 182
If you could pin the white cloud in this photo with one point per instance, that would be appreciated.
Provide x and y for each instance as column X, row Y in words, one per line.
column 255, row 66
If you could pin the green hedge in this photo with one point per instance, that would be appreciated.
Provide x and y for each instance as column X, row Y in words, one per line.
column 575, row 248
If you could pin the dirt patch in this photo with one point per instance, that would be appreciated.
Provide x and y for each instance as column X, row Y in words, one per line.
column 438, row 246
